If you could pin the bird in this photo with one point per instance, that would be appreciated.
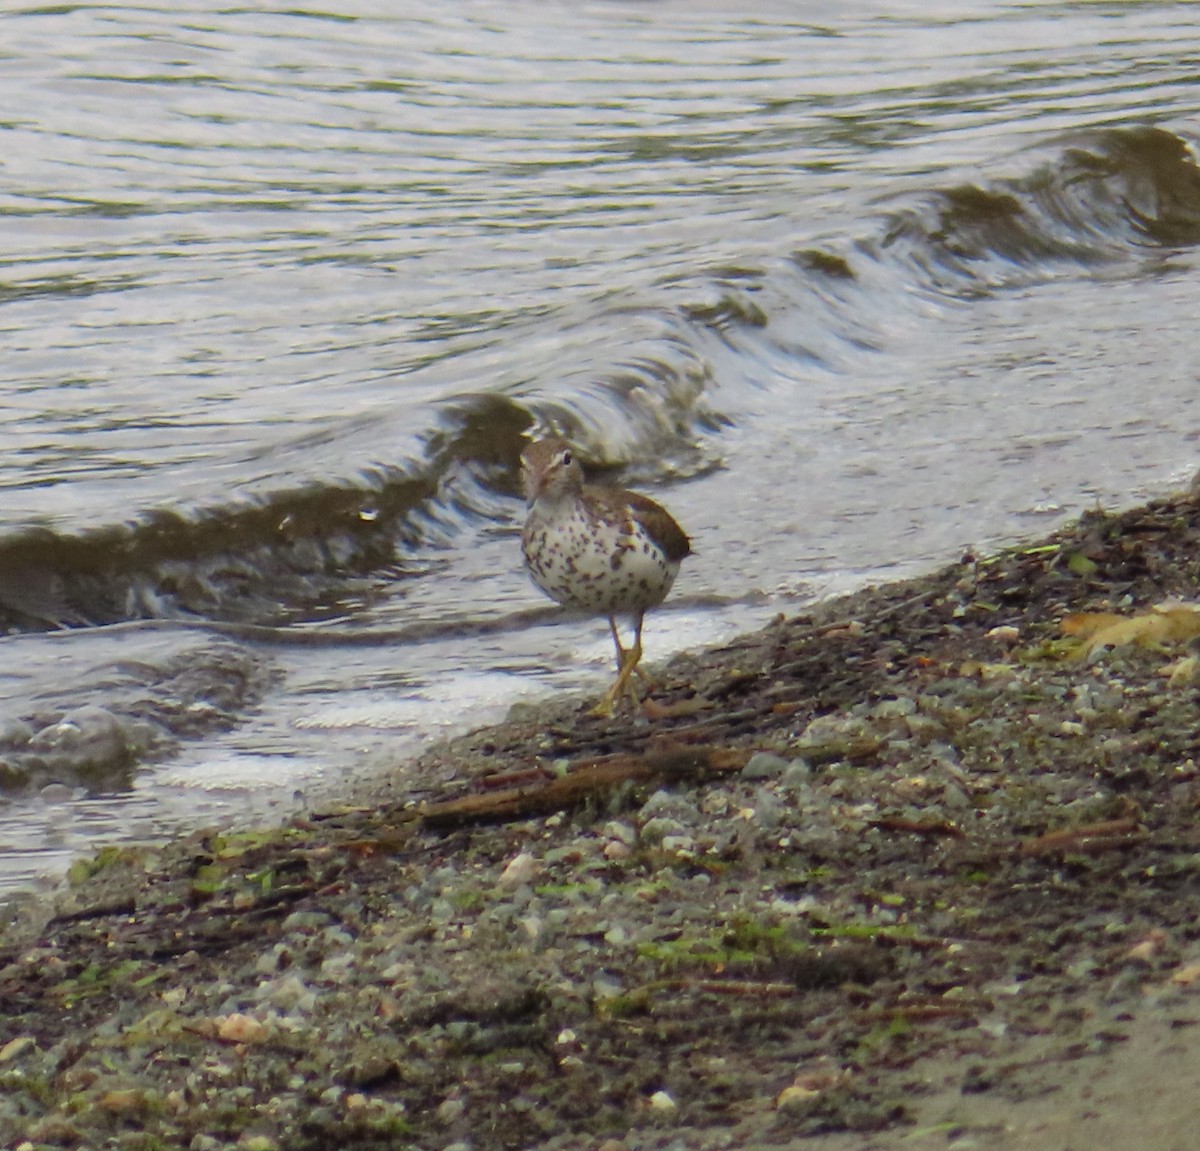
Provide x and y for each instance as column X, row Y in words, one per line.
column 601, row 550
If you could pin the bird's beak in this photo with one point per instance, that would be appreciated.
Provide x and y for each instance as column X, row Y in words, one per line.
column 530, row 483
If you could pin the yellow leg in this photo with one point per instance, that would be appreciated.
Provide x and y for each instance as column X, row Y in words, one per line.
column 628, row 659
column 621, row 652
column 637, row 647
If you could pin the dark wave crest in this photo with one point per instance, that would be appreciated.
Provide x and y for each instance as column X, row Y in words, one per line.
column 1107, row 196
column 323, row 552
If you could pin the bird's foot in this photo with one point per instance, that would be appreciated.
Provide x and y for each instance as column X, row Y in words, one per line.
column 607, row 706
column 604, row 709
column 622, row 686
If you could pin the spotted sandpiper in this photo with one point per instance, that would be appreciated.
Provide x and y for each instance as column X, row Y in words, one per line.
column 597, row 549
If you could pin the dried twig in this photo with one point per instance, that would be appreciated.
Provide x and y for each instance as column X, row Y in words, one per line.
column 934, row 827
column 1087, row 839
column 585, row 782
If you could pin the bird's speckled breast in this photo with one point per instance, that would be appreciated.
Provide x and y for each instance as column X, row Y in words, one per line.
column 593, row 563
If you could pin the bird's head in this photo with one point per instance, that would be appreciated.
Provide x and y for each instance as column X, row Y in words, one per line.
column 549, row 469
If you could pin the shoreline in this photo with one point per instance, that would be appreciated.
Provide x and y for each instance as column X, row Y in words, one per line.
column 912, row 865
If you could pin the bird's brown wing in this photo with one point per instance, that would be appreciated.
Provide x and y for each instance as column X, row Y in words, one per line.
column 659, row 523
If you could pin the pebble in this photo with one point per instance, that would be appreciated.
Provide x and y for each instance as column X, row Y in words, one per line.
column 238, row 1028
column 895, row 708
column 668, row 804
column 289, row 993
column 662, row 1104
column 531, row 925
column 622, row 832
column 678, row 844
column 257, row 1143
column 765, row 765
column 520, row 870
column 768, row 811
column 658, row 829
column 336, row 968
column 306, row 921
column 797, row 777
column 605, row 988
column 17, row 1047
column 795, row 1101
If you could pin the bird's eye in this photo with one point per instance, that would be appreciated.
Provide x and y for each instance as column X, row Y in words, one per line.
column 566, row 459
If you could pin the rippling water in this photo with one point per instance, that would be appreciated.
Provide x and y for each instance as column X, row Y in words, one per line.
column 281, row 293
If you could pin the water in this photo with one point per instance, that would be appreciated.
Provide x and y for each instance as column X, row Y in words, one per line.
column 282, row 291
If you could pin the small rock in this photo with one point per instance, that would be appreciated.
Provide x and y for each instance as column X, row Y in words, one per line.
column 657, row 829
column 130, row 1101
column 17, row 1047
column 923, row 728
column 250, row 1142
column 678, row 844
column 668, row 804
column 662, row 1106
column 1186, row 976
column 56, row 1131
column 521, row 870
column 794, row 1100
column 604, row 987
column 765, row 765
column 1183, row 671
column 290, row 993
column 238, row 1028
column 531, row 925
column 895, row 708
column 337, row 968
column 621, row 832
column 1141, row 952
column 798, row 777
column 768, row 812
column 832, row 737
column 306, row 921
